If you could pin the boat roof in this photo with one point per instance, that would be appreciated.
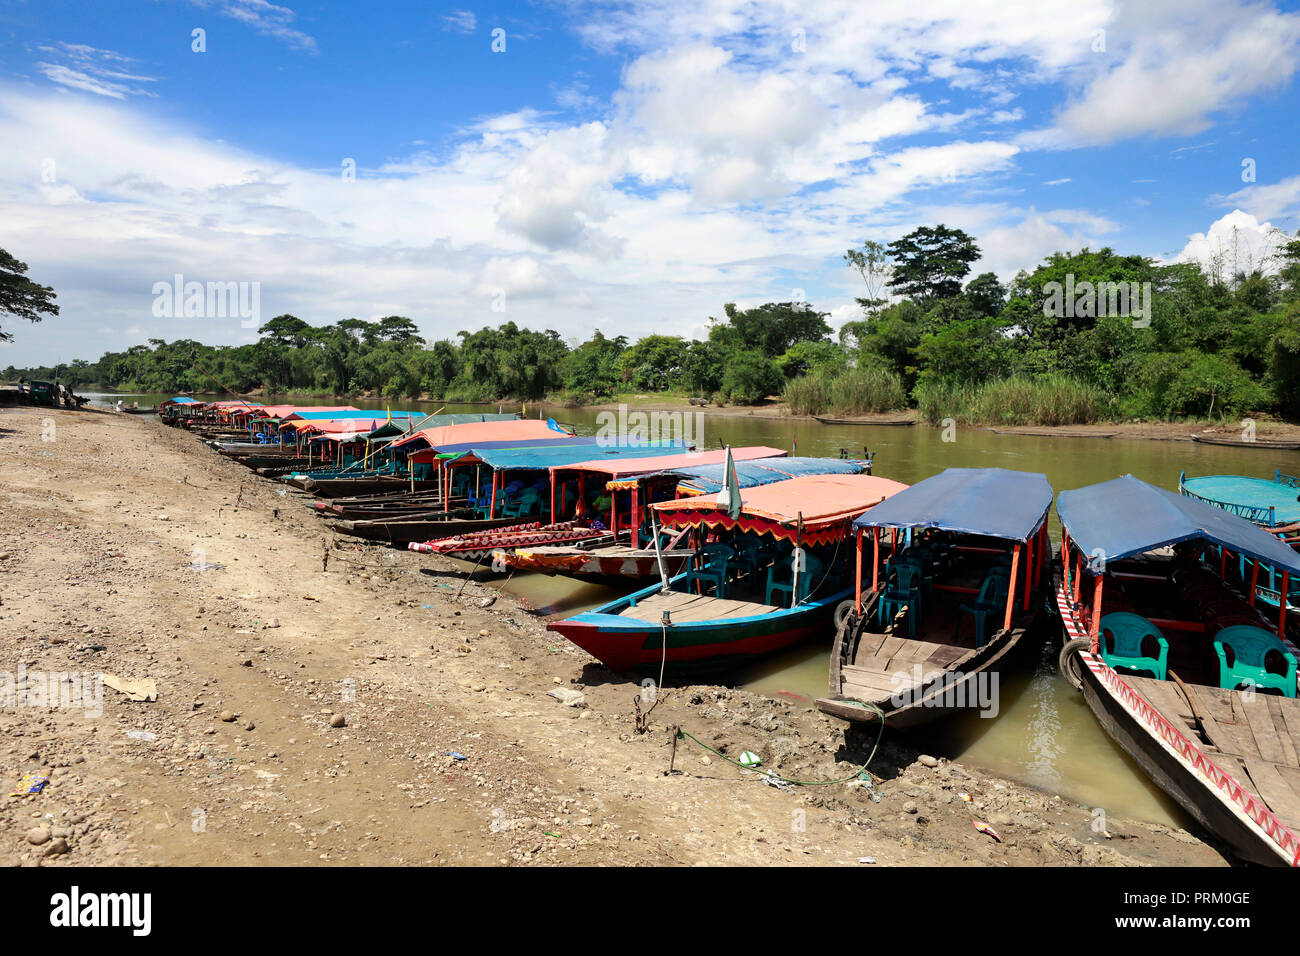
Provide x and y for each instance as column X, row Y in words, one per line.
column 671, row 462
column 470, row 448
column 708, row 478
column 820, row 500
column 995, row 502
column 1264, row 500
column 280, row 411
column 496, row 429
column 567, row 454
column 1126, row 516
column 464, row 418
column 339, row 414
column 182, row 400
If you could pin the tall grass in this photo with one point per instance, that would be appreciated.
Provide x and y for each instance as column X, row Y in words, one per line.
column 846, row 392
column 1019, row 400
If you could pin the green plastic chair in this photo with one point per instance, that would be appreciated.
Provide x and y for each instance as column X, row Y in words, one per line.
column 902, row 590
column 526, row 504
column 992, row 599
column 1250, row 645
column 813, row 569
column 1126, row 632
column 716, row 558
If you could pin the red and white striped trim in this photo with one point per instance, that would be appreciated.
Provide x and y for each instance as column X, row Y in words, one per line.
column 1250, row 808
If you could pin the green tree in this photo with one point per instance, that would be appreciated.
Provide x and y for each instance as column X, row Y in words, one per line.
column 20, row 296
column 930, row 262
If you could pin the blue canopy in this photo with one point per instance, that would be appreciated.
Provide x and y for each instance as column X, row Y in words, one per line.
column 987, row 501
column 1126, row 516
column 764, row 471
column 185, row 400
column 1262, row 500
column 539, row 459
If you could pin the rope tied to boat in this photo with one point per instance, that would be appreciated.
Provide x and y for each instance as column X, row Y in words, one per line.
column 680, row 734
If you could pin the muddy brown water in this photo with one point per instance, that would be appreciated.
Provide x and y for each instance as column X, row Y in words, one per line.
column 1043, row 734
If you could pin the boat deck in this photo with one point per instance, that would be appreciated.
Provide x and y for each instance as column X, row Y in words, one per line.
column 1256, row 740
column 885, row 666
column 692, row 607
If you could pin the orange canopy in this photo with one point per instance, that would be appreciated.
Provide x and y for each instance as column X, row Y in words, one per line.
column 511, row 430
column 824, row 503
column 280, row 411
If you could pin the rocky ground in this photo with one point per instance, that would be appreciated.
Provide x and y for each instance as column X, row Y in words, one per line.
column 374, row 708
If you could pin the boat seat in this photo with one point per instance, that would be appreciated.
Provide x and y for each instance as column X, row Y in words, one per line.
column 1120, row 640
column 992, row 599
column 776, row 585
column 902, row 591
column 1250, row 647
column 716, row 558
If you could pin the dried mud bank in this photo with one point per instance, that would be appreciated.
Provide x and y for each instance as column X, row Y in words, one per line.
column 380, row 711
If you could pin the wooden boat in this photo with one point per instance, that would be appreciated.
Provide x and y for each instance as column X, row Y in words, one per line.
column 483, row 544
column 1051, row 433
column 968, row 551
column 372, row 484
column 1259, row 444
column 1142, row 635
column 865, row 421
column 151, row 410
column 419, row 527
column 755, row 606
column 603, row 562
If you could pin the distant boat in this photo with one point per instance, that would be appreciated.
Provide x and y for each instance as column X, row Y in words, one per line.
column 865, row 421
column 1259, row 443
column 1051, row 433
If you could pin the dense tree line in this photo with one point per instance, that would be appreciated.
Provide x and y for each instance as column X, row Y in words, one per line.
column 1084, row 335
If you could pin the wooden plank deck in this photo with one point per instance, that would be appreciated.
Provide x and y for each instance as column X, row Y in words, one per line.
column 692, row 607
column 887, row 666
column 1257, row 741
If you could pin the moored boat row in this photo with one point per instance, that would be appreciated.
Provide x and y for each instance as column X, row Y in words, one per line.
column 1172, row 609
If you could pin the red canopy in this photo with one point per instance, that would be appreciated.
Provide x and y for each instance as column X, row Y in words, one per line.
column 825, row 504
column 510, row 430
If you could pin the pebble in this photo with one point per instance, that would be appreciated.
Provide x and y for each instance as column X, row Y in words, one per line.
column 927, row 761
column 57, row 847
column 338, row 720
column 909, row 807
column 38, row 835
column 227, row 716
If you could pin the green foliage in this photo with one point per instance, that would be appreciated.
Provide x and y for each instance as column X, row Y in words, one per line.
column 772, row 328
column 20, row 296
column 850, row 391
column 749, row 377
column 930, row 262
column 1018, row 400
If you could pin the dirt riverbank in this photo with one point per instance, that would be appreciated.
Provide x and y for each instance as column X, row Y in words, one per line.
column 258, row 657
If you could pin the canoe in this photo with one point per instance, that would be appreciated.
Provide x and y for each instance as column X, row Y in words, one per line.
column 338, row 487
column 1051, row 433
column 1259, row 444
column 1228, row 756
column 706, row 634
column 403, row 531
column 602, row 562
column 483, row 544
column 974, row 536
column 865, row 421
column 151, row 410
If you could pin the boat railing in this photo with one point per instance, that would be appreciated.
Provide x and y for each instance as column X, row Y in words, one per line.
column 1290, row 481
column 1262, row 816
column 1256, row 513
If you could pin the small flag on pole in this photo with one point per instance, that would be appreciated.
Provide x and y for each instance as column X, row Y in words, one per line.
column 729, row 496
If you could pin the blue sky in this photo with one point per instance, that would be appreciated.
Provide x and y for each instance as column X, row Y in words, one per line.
column 628, row 166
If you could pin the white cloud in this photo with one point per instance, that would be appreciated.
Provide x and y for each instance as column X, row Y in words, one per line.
column 87, row 68
column 1272, row 200
column 1234, row 244
column 265, row 18
column 461, row 21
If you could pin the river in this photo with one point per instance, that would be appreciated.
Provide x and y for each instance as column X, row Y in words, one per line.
column 1044, row 735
